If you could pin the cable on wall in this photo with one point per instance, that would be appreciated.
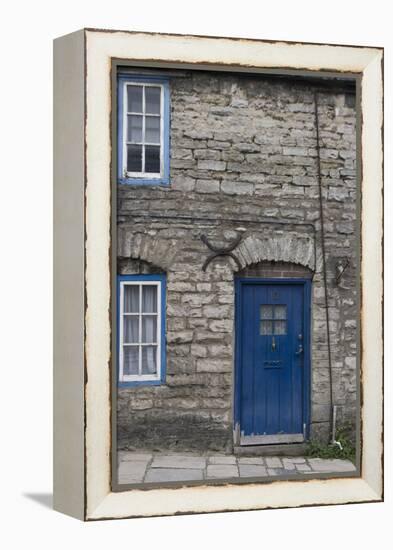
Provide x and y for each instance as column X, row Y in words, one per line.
column 321, row 218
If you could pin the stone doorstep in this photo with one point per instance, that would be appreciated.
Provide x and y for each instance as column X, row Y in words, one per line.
column 292, row 450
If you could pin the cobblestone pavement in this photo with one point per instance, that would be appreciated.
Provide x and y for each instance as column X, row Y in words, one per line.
column 137, row 467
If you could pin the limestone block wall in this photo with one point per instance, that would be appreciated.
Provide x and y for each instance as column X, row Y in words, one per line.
column 243, row 161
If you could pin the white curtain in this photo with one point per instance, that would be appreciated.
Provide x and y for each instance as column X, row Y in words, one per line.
column 149, row 329
column 131, row 360
column 131, row 329
column 149, row 359
column 131, row 298
column 149, row 299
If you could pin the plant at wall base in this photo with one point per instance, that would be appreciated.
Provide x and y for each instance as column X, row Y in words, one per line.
column 347, row 451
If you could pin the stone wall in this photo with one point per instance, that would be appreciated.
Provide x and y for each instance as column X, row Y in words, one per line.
column 243, row 160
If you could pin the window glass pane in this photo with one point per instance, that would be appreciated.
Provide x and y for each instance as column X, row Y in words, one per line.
column 152, row 98
column 131, row 329
column 134, row 99
column 130, row 360
column 131, row 298
column 280, row 312
column 149, row 359
column 152, row 130
column 134, row 128
column 266, row 312
column 280, row 327
column 266, row 327
column 152, row 159
column 149, row 299
column 134, row 158
column 149, row 329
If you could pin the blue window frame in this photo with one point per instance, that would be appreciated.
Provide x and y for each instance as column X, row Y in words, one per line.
column 143, row 130
column 141, row 329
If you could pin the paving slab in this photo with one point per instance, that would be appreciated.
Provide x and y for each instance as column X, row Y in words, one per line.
column 131, row 472
column 251, row 460
column 222, row 470
column 252, row 470
column 179, row 461
column 273, row 462
column 222, row 460
column 288, row 464
column 274, row 471
column 129, row 455
column 303, row 467
column 173, row 474
column 286, row 472
column 331, row 465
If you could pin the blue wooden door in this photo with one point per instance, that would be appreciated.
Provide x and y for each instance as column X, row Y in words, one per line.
column 273, row 349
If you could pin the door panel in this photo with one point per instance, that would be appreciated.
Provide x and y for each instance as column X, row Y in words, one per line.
column 272, row 357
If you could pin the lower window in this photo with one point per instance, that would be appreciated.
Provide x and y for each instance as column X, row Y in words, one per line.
column 141, row 336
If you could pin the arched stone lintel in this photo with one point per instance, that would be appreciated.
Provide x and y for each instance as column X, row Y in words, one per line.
column 139, row 246
column 283, row 248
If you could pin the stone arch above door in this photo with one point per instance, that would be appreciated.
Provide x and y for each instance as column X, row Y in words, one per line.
column 288, row 248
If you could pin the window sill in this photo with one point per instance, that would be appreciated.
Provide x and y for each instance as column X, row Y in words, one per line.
column 142, row 181
column 133, row 383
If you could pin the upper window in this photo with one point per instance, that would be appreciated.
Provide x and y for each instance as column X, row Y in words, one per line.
column 141, row 328
column 143, row 124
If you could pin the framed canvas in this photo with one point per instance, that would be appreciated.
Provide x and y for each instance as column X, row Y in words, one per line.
column 218, row 274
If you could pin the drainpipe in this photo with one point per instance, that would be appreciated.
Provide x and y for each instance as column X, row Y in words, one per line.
column 332, row 415
column 334, row 442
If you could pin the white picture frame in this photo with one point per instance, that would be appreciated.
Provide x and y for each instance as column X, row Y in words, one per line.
column 82, row 417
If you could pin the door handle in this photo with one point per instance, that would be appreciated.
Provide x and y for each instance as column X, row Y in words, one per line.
column 300, row 350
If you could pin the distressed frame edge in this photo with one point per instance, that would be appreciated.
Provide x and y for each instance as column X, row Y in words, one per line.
column 69, row 490
column 375, row 487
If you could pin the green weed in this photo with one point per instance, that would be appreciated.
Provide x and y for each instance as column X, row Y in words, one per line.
column 348, row 451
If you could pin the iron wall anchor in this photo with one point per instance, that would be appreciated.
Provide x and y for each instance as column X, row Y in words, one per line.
column 341, row 267
column 216, row 252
